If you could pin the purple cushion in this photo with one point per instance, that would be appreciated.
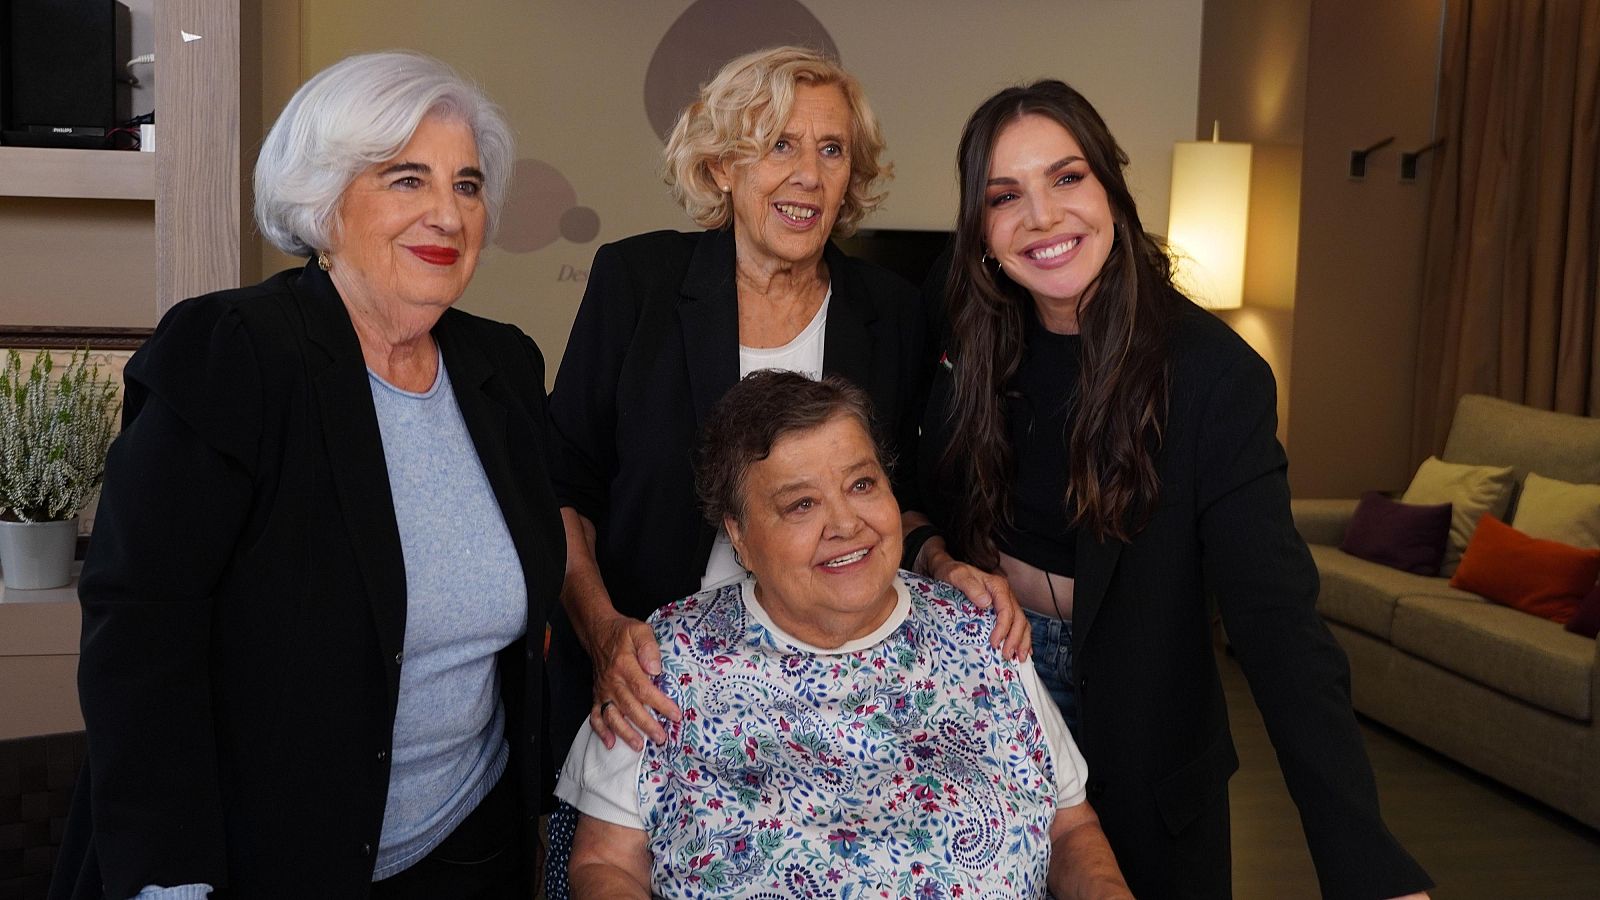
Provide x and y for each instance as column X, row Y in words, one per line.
column 1586, row 621
column 1404, row 536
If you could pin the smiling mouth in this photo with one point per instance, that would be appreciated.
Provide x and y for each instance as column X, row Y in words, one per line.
column 1054, row 250
column 794, row 212
column 847, row 559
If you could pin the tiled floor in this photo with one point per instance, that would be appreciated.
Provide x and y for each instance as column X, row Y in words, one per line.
column 1476, row 838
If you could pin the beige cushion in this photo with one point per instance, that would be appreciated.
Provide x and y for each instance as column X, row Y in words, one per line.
column 1471, row 491
column 1362, row 594
column 1559, row 511
column 1526, row 657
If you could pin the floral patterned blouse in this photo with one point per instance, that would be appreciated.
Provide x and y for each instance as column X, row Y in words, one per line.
column 913, row 763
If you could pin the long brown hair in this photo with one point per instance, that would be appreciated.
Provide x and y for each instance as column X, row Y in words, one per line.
column 1121, row 405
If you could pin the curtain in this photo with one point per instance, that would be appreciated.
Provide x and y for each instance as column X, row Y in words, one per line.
column 1509, row 279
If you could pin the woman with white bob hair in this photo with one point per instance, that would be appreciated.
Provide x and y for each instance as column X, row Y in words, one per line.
column 326, row 532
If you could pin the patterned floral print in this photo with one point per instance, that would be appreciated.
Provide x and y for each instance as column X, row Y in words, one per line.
column 912, row 769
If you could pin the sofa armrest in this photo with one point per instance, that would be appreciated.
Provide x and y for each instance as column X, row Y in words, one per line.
column 1322, row 521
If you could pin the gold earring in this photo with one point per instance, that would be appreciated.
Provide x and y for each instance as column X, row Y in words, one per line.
column 323, row 262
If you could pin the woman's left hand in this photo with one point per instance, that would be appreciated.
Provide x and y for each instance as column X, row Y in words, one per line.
column 1013, row 636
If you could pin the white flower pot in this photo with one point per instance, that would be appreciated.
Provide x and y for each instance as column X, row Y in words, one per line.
column 37, row 555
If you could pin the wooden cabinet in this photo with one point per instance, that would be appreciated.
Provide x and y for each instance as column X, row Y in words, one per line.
column 39, row 661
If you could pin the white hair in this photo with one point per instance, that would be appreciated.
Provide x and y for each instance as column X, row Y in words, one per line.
column 357, row 112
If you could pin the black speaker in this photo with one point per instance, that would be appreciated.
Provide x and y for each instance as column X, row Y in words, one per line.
column 62, row 77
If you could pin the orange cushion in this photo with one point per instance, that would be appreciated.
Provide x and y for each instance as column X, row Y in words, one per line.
column 1545, row 578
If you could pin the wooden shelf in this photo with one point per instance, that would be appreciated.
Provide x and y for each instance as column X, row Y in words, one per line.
column 91, row 174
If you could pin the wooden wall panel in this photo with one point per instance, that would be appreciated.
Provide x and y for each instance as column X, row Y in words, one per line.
column 197, row 160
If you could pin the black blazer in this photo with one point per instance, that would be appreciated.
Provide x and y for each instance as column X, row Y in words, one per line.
column 1153, row 726
column 244, row 597
column 654, row 346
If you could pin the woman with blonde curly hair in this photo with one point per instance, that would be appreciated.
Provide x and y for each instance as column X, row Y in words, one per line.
column 780, row 153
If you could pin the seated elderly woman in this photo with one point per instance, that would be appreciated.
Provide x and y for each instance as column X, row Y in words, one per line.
column 845, row 725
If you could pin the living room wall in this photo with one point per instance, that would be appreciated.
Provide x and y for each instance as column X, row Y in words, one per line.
column 1333, row 272
column 574, row 78
column 1253, row 59
column 1371, row 74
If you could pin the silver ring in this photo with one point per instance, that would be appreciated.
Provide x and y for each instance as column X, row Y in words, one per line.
column 606, row 704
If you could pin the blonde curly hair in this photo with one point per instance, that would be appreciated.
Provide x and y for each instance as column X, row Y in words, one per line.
column 738, row 117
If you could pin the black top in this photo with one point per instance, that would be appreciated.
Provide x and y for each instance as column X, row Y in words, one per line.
column 1040, row 406
column 244, row 596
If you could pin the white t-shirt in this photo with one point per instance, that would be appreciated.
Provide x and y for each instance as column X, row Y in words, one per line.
column 605, row 783
column 803, row 354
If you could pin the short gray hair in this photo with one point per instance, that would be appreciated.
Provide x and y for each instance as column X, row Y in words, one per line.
column 758, row 411
column 357, row 112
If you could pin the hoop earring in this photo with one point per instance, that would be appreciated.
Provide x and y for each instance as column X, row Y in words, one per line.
column 999, row 267
column 323, row 262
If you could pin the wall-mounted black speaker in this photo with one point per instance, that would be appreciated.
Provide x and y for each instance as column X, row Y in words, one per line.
column 62, row 81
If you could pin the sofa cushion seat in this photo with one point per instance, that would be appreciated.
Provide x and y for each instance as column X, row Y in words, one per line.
column 1362, row 594
column 1529, row 658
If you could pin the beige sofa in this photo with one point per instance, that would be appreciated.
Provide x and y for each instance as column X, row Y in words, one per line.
column 1509, row 694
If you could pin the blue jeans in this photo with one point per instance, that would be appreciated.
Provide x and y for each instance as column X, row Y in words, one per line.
column 1052, row 657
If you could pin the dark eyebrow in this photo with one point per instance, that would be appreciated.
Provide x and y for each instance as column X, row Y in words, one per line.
column 1053, row 167
column 865, row 464
column 420, row 168
column 425, row 169
column 821, row 139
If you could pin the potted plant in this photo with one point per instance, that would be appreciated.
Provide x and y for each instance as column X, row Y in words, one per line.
column 56, row 423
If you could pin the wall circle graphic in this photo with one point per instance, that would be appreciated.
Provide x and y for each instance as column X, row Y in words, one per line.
column 580, row 224
column 711, row 32
column 542, row 209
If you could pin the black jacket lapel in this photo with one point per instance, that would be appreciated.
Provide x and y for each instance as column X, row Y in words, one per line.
column 708, row 314
column 847, row 339
column 1097, row 562
column 355, row 454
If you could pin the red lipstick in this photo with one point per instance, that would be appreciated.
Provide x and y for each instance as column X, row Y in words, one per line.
column 439, row 256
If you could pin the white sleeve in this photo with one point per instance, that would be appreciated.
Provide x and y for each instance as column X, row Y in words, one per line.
column 1072, row 773
column 602, row 783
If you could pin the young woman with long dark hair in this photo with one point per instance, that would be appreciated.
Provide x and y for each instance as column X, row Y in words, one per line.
column 1110, row 448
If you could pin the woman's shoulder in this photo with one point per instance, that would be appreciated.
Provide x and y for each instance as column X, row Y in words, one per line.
column 212, row 360
column 213, row 325
column 1200, row 338
column 875, row 281
column 952, row 614
column 656, row 247
column 473, row 342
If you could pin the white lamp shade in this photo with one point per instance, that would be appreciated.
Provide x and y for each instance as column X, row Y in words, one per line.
column 1209, row 220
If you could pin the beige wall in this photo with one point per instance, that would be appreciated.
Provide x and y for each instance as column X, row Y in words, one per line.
column 1371, row 75
column 570, row 74
column 1253, row 85
column 1333, row 275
